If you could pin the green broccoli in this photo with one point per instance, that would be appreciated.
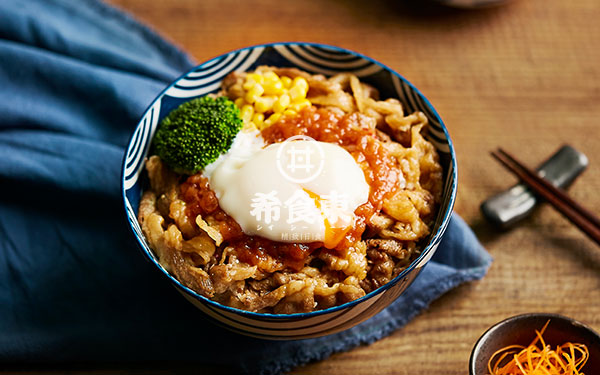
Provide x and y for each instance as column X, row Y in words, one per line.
column 196, row 133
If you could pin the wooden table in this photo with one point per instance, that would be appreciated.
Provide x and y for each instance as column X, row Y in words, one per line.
column 525, row 76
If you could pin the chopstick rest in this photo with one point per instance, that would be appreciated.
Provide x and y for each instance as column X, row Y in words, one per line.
column 584, row 219
column 514, row 204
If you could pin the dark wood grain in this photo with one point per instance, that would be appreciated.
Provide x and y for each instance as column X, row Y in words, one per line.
column 525, row 76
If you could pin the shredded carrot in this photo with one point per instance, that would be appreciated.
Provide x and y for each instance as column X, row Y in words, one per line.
column 539, row 359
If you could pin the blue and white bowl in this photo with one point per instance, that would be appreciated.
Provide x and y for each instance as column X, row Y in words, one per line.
column 314, row 58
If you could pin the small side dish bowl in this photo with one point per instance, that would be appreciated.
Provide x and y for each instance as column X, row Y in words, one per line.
column 520, row 330
column 314, row 58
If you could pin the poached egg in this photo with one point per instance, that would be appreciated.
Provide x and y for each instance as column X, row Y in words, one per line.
column 300, row 190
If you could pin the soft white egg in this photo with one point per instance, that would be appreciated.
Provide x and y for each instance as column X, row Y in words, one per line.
column 294, row 191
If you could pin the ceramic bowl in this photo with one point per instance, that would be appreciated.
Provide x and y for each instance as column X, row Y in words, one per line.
column 520, row 330
column 314, row 58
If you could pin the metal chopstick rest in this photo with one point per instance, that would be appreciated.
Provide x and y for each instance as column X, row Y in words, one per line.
column 510, row 206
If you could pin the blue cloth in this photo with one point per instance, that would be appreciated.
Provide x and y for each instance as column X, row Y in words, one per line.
column 75, row 78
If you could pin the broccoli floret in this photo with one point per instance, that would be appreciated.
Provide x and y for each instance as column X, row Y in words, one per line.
column 196, row 133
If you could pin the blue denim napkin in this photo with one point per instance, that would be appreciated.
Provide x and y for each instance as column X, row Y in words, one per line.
column 75, row 77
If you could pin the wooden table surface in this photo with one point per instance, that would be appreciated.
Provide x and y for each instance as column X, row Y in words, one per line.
column 525, row 76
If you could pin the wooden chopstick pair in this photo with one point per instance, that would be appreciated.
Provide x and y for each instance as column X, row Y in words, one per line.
column 581, row 217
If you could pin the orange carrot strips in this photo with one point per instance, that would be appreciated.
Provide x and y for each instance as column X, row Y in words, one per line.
column 539, row 359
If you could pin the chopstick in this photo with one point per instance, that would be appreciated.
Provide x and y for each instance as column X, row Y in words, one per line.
column 581, row 217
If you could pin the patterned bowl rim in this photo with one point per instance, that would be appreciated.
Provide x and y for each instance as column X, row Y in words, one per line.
column 425, row 256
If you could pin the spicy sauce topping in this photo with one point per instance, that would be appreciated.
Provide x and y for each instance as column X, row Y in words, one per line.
column 201, row 200
column 358, row 138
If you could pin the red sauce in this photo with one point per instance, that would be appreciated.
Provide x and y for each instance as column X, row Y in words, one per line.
column 201, row 200
column 254, row 249
column 378, row 165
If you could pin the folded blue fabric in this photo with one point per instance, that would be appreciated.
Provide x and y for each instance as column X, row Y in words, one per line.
column 76, row 76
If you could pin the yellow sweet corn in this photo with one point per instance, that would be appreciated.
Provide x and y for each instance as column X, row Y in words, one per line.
column 273, row 87
column 253, row 93
column 239, row 102
column 258, row 119
column 263, row 104
column 301, row 82
column 248, row 98
column 297, row 92
column 256, row 90
column 270, row 76
column 286, row 81
column 246, row 112
column 255, row 77
column 251, row 80
column 248, row 84
column 282, row 103
column 267, row 97
column 299, row 104
column 272, row 119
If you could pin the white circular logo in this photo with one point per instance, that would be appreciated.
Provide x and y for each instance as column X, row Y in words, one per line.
column 300, row 159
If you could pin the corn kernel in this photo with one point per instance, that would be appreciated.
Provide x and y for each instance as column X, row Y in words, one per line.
column 255, row 77
column 273, row 87
column 301, row 82
column 271, row 96
column 239, row 102
column 250, row 99
column 297, row 93
column 286, row 81
column 258, row 119
column 281, row 103
column 264, row 103
column 246, row 112
column 289, row 113
column 248, row 84
column 298, row 105
column 251, row 80
column 272, row 119
column 256, row 90
column 271, row 76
